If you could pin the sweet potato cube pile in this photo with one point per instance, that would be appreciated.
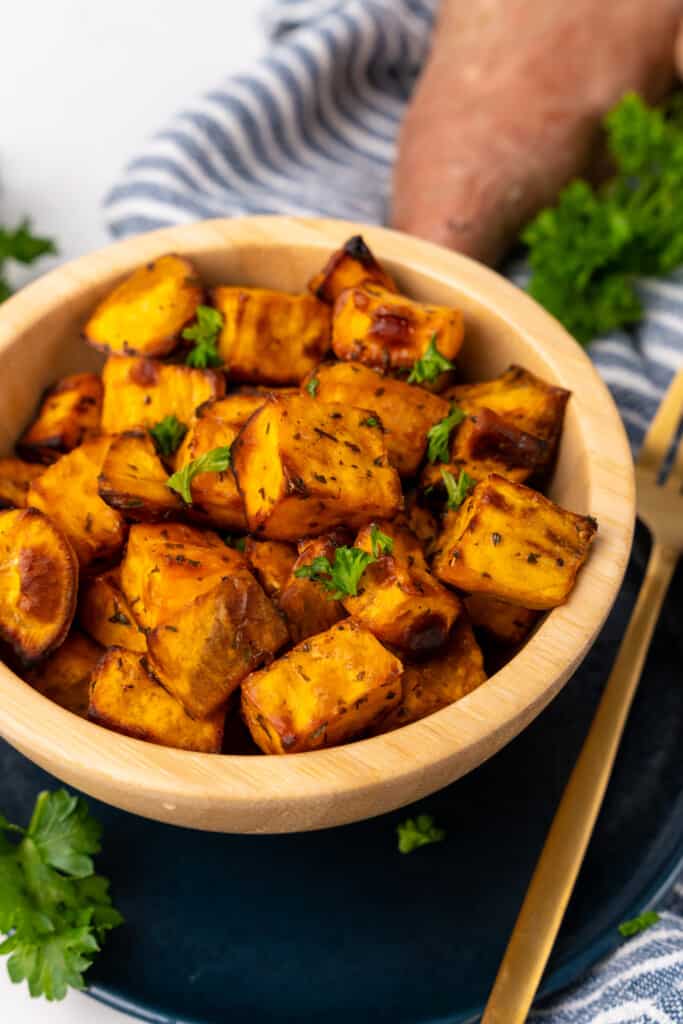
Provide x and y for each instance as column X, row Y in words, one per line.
column 278, row 515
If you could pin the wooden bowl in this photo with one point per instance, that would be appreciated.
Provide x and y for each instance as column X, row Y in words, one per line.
column 39, row 342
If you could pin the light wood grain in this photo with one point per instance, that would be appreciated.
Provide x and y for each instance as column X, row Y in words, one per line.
column 39, row 341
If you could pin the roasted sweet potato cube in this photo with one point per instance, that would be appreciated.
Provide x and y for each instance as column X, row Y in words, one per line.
column 348, row 267
column 15, row 480
column 204, row 650
column 139, row 392
column 38, row 583
column 521, row 399
column 403, row 412
column 145, row 314
column 486, row 443
column 69, row 414
column 67, row 492
column 325, row 691
column 419, row 521
column 307, row 609
column 398, row 598
column 304, row 467
column 215, row 497
column 271, row 337
column 272, row 562
column 64, row 676
column 513, row 543
column 134, row 481
column 105, row 614
column 126, row 697
column 508, row 623
column 430, row 685
column 379, row 328
column 167, row 566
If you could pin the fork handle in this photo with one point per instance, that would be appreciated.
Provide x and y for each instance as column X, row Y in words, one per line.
column 553, row 880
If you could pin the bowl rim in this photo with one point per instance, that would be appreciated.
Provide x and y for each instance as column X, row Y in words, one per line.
column 246, row 793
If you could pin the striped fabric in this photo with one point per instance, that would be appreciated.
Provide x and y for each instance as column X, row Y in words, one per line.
column 311, row 129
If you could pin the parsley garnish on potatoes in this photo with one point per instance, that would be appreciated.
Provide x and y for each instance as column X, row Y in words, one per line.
column 204, row 333
column 438, row 437
column 420, row 831
column 167, row 434
column 430, row 365
column 215, row 461
column 22, row 246
column 340, row 577
column 54, row 910
column 457, row 490
column 587, row 250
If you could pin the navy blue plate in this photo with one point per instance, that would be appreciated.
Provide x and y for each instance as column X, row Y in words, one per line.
column 338, row 926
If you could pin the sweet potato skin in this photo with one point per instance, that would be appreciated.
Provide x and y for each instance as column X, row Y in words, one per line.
column 38, row 583
column 352, row 265
column 68, row 492
column 507, row 623
column 307, row 609
column 203, row 652
column 485, row 443
column 379, row 328
column 271, row 337
column 104, row 613
column 398, row 598
column 325, row 691
column 304, row 467
column 133, row 480
column 272, row 562
column 15, row 480
column 405, row 412
column 69, row 414
column 430, row 685
column 126, row 697
column 64, row 677
column 215, row 497
column 145, row 314
column 139, row 392
column 511, row 542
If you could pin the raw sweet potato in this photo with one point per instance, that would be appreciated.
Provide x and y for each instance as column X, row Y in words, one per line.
column 64, row 676
column 403, row 412
column 348, row 267
column 271, row 337
column 67, row 492
column 126, row 697
column 325, row 691
column 105, row 614
column 133, row 480
column 145, row 314
column 430, row 685
column 304, row 467
column 69, row 414
column 379, row 328
column 15, row 480
column 38, row 583
column 509, row 541
column 140, row 392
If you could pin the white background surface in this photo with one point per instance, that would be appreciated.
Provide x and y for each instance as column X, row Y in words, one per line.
column 81, row 85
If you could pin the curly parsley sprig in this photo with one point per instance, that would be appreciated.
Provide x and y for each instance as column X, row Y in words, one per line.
column 439, row 436
column 54, row 910
column 430, row 366
column 341, row 576
column 204, row 333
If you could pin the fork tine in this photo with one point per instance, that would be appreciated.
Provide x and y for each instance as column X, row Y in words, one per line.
column 663, row 427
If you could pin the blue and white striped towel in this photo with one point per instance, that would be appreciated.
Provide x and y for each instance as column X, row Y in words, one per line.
column 324, row 106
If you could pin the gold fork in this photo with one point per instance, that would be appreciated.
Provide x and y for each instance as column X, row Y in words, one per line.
column 660, row 506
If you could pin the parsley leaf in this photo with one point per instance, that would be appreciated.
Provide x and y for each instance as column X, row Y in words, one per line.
column 420, row 831
column 457, row 490
column 341, row 576
column 430, row 365
column 22, row 247
column 204, row 333
column 312, row 386
column 215, row 461
column 586, row 252
column 54, row 911
column 380, row 542
column 439, row 435
column 639, row 923
column 167, row 434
